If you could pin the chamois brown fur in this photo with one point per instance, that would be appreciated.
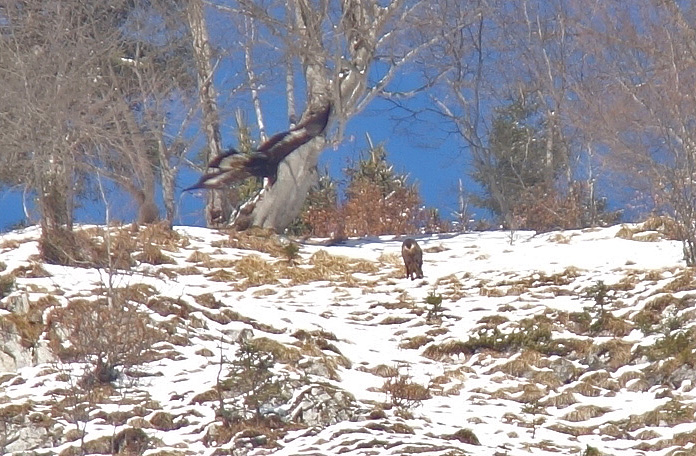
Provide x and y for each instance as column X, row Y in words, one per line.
column 413, row 259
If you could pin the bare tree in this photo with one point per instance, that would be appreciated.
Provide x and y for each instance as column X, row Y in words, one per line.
column 49, row 54
column 218, row 205
column 149, row 83
column 346, row 52
column 91, row 89
column 644, row 65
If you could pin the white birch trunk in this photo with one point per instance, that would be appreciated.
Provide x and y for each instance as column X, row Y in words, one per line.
column 217, row 211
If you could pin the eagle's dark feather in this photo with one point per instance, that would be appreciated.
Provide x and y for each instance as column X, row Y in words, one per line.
column 232, row 166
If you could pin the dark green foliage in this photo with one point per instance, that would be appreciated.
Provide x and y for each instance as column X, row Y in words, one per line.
column 515, row 167
column 600, row 320
column 376, row 170
column 378, row 200
column 525, row 177
column 320, row 214
column 654, row 318
column 251, row 379
column 7, row 282
column 582, row 321
column 591, row 451
column 464, row 436
column 598, row 292
column 435, row 303
column 291, row 252
column 678, row 343
column 532, row 334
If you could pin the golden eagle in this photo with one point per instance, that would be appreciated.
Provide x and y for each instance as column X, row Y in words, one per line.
column 233, row 166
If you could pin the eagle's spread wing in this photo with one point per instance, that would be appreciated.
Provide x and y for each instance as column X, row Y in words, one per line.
column 232, row 166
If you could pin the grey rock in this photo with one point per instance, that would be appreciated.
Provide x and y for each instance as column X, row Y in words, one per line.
column 323, row 405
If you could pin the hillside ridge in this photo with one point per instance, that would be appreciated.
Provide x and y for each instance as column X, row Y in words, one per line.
column 198, row 341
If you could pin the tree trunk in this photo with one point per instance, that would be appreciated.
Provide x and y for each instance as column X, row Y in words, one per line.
column 148, row 212
column 336, row 67
column 168, row 176
column 56, row 195
column 280, row 204
column 217, row 207
column 55, row 175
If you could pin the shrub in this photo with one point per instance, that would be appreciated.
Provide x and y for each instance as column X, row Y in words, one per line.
column 543, row 209
column 66, row 247
column 403, row 392
column 377, row 201
column 291, row 252
column 321, row 215
column 532, row 333
column 109, row 333
column 435, row 309
column 464, row 436
column 251, row 380
column 7, row 283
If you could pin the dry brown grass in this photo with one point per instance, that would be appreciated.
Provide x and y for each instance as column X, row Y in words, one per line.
column 110, row 247
column 318, row 344
column 561, row 400
column 446, row 350
column 33, row 270
column 153, row 254
column 653, row 229
column 381, row 370
column 166, row 306
column 585, row 389
column 416, row 342
column 393, row 320
column 585, row 412
column 669, row 414
column 208, row 300
column 684, row 281
column 450, row 287
column 200, row 257
column 521, row 365
column 29, row 325
column 257, row 239
column 618, row 352
column 608, row 324
column 531, row 393
column 464, row 436
column 221, row 275
column 404, row 392
column 336, row 264
column 281, row 352
column 253, row 270
column 575, row 431
column 492, row 321
column 10, row 244
column 185, row 271
column 390, row 259
column 29, row 331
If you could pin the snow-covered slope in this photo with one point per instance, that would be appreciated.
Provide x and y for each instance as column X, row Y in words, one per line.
column 575, row 342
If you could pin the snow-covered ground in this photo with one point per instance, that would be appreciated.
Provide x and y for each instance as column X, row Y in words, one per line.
column 588, row 385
